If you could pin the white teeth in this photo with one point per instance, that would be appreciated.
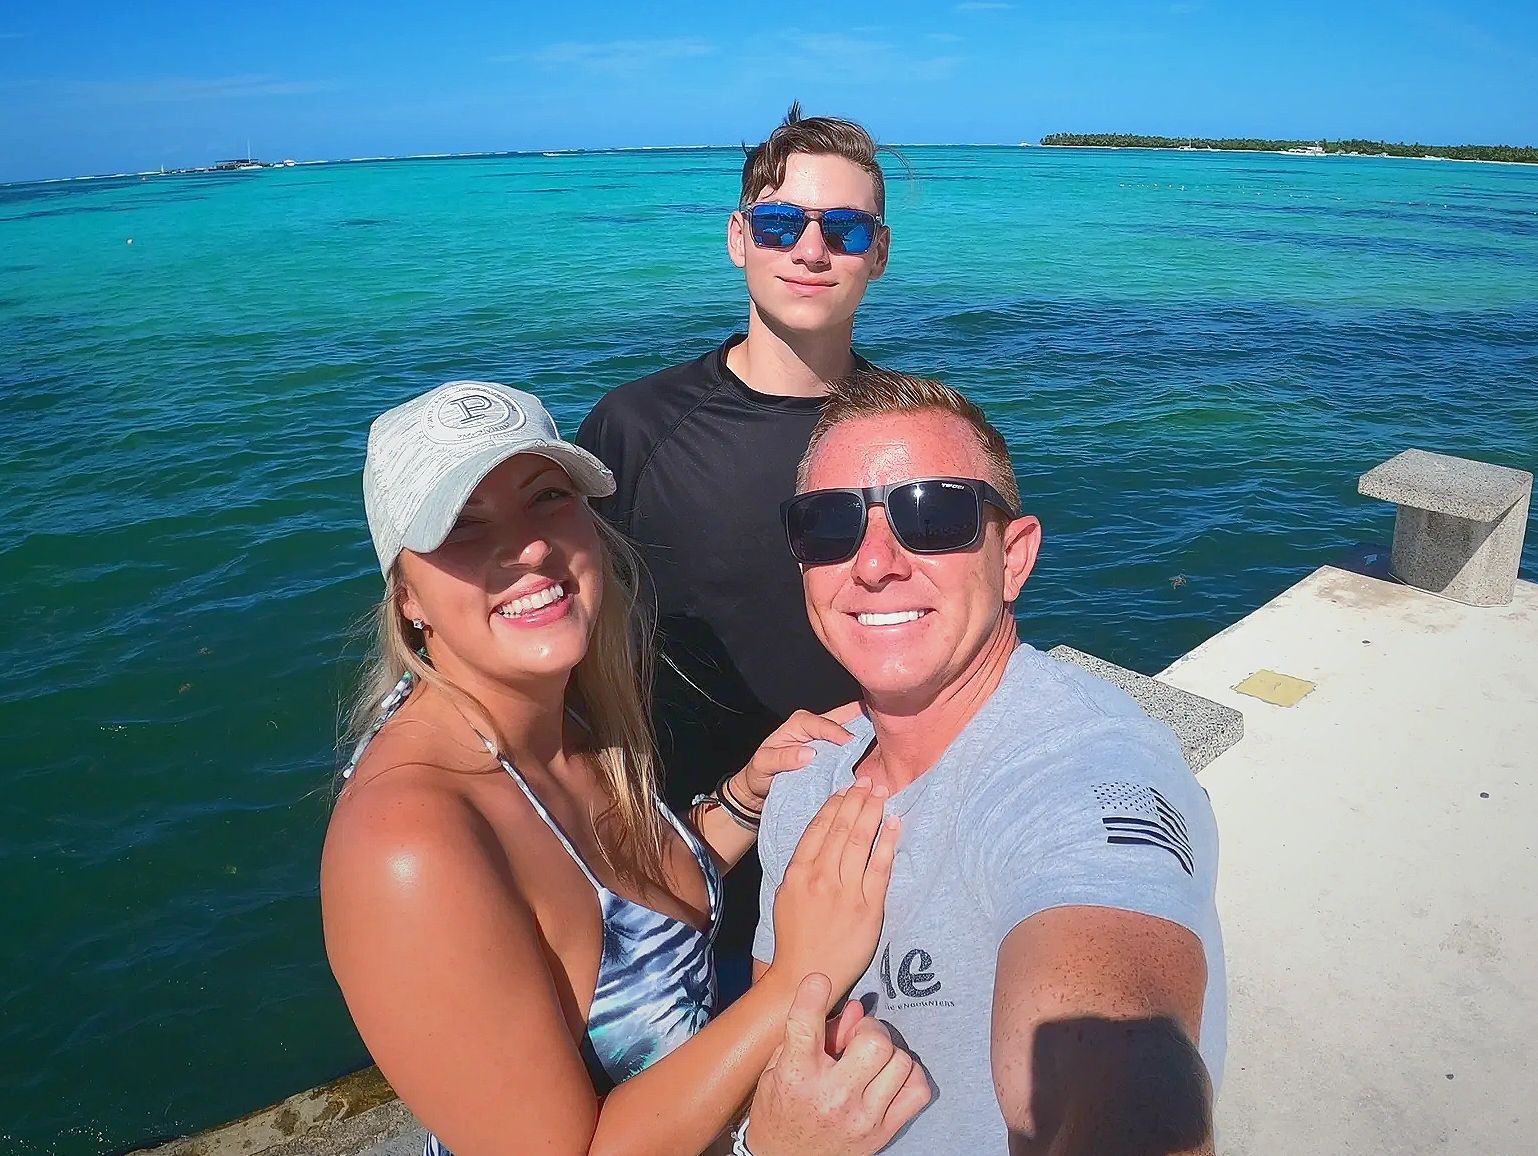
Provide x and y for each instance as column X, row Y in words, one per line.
column 532, row 601
column 890, row 619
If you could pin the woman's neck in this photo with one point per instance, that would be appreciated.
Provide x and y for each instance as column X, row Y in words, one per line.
column 528, row 717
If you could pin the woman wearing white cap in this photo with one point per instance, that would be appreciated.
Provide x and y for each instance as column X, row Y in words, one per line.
column 520, row 927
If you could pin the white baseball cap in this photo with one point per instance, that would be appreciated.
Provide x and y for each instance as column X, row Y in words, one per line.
column 426, row 456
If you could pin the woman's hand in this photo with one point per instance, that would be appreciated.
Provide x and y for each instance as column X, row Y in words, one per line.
column 811, row 1102
column 828, row 908
column 787, row 749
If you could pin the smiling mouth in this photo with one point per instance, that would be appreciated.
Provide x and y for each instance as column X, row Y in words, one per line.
column 890, row 618
column 517, row 607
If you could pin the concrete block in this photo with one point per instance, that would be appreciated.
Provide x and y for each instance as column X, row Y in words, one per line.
column 354, row 1115
column 1460, row 524
column 1204, row 728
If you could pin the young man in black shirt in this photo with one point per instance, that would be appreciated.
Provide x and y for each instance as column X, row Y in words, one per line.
column 705, row 452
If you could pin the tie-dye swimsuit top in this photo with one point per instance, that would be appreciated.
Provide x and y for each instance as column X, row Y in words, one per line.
column 656, row 979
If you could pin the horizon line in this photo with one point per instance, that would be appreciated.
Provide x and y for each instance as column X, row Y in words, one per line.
column 188, row 170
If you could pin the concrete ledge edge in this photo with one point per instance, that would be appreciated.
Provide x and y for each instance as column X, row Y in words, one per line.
column 340, row 1118
column 1204, row 728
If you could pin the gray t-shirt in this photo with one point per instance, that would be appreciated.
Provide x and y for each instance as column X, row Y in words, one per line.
column 1059, row 792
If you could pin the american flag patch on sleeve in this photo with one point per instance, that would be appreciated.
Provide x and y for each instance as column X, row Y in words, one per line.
column 1141, row 817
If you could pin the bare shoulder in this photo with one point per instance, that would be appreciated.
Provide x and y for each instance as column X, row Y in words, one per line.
column 408, row 821
column 438, row 951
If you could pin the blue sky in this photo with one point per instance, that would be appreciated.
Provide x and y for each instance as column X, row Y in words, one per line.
column 112, row 87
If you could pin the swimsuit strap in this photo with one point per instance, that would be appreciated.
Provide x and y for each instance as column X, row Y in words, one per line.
column 691, row 841
column 539, row 809
column 397, row 697
column 703, row 857
column 388, row 705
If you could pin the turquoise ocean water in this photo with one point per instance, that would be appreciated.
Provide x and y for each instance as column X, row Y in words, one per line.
column 1193, row 356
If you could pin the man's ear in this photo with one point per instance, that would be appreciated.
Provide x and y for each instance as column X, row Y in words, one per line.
column 736, row 241
column 883, row 252
column 1022, row 542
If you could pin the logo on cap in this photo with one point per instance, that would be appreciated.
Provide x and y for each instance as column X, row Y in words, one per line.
column 463, row 414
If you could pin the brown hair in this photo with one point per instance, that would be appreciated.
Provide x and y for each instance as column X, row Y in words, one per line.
column 880, row 391
column 609, row 690
column 764, row 167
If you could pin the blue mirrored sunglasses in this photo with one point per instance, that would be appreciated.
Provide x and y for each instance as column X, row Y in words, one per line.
column 775, row 225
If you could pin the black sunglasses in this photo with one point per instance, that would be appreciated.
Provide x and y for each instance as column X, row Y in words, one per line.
column 775, row 225
column 927, row 516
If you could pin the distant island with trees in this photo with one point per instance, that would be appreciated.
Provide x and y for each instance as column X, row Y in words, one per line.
column 1512, row 154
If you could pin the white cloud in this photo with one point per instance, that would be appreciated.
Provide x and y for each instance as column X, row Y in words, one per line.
column 934, row 67
column 826, row 44
column 828, row 58
column 615, row 56
column 185, row 88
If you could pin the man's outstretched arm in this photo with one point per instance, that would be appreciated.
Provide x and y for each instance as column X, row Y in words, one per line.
column 1096, row 1013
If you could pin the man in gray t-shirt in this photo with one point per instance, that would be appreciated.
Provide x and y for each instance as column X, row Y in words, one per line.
column 1051, row 951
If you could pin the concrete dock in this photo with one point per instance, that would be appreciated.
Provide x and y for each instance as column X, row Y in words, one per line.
column 1379, row 881
column 1379, row 863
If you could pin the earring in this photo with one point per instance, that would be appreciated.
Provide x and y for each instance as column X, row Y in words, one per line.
column 416, row 624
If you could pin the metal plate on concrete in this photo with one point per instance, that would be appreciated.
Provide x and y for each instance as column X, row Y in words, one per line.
column 1277, row 689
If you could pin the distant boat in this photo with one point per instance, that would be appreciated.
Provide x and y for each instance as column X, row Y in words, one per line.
column 249, row 165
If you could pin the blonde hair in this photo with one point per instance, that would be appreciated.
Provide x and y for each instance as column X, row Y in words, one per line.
column 609, row 690
column 877, row 392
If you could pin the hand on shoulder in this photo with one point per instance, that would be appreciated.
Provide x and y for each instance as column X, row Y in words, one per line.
column 789, row 748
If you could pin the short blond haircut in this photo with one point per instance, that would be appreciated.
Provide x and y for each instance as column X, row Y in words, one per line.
column 880, row 392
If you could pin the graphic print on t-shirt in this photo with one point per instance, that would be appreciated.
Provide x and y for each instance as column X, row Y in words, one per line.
column 913, row 981
column 1139, row 816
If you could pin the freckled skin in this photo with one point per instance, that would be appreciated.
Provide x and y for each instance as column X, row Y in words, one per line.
column 1096, row 1013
